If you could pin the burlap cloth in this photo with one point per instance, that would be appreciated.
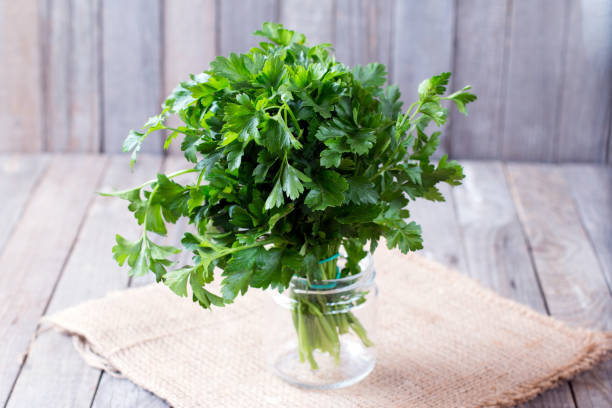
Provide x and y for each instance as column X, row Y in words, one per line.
column 444, row 341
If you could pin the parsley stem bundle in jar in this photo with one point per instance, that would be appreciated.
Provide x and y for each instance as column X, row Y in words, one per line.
column 300, row 165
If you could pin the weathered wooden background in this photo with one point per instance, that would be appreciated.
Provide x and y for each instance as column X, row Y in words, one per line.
column 75, row 75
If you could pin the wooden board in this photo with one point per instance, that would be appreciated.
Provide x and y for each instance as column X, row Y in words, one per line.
column 480, row 61
column 447, row 232
column 535, row 75
column 492, row 235
column 496, row 251
column 238, row 19
column 314, row 18
column 53, row 367
column 422, row 46
column 567, row 266
column 586, row 103
column 20, row 77
column 117, row 392
column 591, row 188
column 441, row 233
column 34, row 256
column 19, row 175
column 363, row 32
column 70, row 32
column 132, row 69
column 189, row 45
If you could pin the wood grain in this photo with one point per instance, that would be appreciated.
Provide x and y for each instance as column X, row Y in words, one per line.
column 53, row 368
column 313, row 18
column 447, row 234
column 71, row 34
column 422, row 46
column 591, row 188
column 189, row 45
column 586, row 100
column 21, row 116
column 34, row 256
column 535, row 75
column 442, row 238
column 117, row 392
column 237, row 21
column 19, row 175
column 496, row 251
column 566, row 263
column 363, row 32
column 132, row 69
column 480, row 61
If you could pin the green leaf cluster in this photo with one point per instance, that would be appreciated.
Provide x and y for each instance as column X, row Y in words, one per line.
column 293, row 155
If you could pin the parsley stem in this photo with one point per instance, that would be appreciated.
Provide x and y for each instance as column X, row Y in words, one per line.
column 272, row 107
column 144, row 223
column 174, row 130
column 146, row 183
column 295, row 121
column 410, row 119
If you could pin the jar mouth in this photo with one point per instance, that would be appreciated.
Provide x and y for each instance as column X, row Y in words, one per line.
column 362, row 279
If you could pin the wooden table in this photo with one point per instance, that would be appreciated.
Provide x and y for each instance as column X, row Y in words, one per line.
column 539, row 234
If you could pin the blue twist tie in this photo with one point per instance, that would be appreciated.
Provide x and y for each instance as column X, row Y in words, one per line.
column 333, row 284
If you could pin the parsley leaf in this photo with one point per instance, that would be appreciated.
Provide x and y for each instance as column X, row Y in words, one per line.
column 290, row 155
column 326, row 190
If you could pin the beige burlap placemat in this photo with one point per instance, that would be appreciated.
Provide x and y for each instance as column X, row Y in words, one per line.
column 444, row 341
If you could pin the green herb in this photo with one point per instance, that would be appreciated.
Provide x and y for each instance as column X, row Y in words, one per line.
column 294, row 155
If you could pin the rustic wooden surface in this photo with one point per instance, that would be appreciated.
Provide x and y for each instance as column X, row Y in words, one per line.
column 76, row 75
column 538, row 234
column 132, row 62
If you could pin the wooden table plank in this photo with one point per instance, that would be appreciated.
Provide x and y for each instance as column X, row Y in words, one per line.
column 54, row 368
column 34, row 256
column 496, row 250
column 118, row 392
column 441, row 232
column 19, row 175
column 446, row 240
column 477, row 231
column 591, row 188
column 571, row 278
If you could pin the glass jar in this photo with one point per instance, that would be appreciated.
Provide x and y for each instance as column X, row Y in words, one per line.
column 322, row 335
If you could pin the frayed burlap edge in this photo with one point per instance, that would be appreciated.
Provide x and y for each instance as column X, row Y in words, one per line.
column 594, row 352
column 596, row 349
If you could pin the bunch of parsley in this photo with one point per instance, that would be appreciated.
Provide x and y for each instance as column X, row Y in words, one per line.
column 294, row 155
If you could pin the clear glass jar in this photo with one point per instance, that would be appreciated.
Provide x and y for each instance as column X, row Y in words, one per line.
column 322, row 335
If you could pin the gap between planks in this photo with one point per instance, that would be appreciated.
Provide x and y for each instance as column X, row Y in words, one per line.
column 566, row 263
column 53, row 367
column 44, row 224
column 454, row 255
column 118, row 392
column 477, row 232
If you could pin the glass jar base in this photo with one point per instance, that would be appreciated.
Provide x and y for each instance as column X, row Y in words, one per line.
column 354, row 364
